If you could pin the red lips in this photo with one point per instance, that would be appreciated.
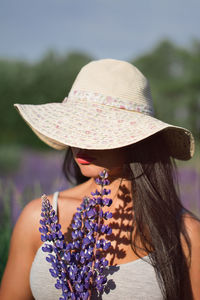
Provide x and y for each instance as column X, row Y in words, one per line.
column 84, row 159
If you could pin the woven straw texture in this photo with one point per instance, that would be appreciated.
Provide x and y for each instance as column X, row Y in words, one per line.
column 109, row 106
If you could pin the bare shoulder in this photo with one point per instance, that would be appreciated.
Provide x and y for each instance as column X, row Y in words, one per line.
column 23, row 246
column 26, row 240
column 192, row 226
column 28, row 223
column 29, row 216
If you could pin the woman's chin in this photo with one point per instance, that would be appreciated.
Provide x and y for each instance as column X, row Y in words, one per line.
column 90, row 170
column 93, row 171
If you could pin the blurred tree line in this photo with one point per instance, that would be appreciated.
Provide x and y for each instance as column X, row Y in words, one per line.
column 174, row 75
column 173, row 72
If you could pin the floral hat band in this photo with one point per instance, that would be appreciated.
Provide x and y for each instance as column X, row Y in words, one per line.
column 109, row 106
column 116, row 102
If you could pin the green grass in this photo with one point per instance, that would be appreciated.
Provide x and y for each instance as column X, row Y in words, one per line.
column 5, row 225
column 10, row 157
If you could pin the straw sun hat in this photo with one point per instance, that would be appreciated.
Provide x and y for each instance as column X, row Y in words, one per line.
column 109, row 106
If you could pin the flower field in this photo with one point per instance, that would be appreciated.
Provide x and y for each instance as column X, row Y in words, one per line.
column 27, row 174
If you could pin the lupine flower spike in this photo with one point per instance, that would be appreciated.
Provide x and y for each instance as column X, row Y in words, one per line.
column 78, row 266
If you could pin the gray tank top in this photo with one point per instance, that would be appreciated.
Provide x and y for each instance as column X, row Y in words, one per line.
column 131, row 281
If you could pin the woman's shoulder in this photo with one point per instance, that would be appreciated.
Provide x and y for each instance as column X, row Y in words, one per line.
column 31, row 211
column 192, row 227
column 192, row 224
column 68, row 201
column 28, row 223
column 70, row 196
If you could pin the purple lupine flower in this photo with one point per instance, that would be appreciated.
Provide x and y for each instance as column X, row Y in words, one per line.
column 78, row 266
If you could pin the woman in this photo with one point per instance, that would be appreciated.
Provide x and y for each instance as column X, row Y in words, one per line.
column 107, row 120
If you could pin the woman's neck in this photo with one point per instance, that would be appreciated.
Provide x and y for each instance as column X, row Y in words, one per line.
column 121, row 188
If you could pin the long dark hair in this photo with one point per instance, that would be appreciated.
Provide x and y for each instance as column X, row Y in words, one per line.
column 157, row 212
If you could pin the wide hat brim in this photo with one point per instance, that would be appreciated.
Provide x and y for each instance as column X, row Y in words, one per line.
column 89, row 125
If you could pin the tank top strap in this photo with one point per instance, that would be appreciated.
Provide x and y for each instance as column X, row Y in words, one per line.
column 55, row 201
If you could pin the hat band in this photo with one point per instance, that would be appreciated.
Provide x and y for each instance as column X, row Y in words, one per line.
column 110, row 101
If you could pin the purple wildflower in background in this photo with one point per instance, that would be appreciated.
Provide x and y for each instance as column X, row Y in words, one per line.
column 78, row 266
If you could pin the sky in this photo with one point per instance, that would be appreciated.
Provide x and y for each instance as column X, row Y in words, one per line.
column 120, row 29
